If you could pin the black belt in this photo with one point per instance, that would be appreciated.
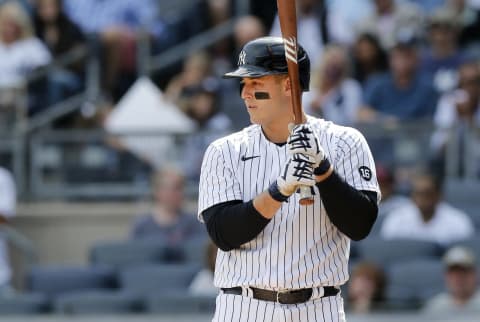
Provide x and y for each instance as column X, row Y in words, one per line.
column 283, row 297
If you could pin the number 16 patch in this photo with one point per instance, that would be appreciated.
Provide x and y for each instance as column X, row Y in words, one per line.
column 365, row 173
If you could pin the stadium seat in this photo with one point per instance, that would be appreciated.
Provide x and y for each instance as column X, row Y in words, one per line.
column 152, row 278
column 22, row 304
column 386, row 252
column 121, row 254
column 413, row 282
column 97, row 302
column 458, row 192
column 194, row 250
column 54, row 281
column 179, row 302
column 474, row 244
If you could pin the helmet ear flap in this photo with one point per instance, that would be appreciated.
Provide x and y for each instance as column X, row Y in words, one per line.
column 242, row 85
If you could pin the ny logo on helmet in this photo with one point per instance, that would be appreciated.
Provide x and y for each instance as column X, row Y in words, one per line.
column 241, row 58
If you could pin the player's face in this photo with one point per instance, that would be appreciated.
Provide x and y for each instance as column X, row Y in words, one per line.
column 265, row 111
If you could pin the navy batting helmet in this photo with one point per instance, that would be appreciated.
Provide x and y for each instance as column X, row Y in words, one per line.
column 266, row 56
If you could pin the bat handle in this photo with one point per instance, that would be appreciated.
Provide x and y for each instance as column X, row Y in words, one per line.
column 306, row 197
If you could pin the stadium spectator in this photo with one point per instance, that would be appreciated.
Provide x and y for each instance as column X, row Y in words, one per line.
column 333, row 95
column 344, row 16
column 8, row 200
column 462, row 294
column 388, row 18
column 456, row 114
column 167, row 221
column 442, row 56
column 201, row 104
column 204, row 15
column 428, row 217
column 428, row 6
column 61, row 36
column 469, row 19
column 20, row 53
column 246, row 28
column 366, row 288
column 368, row 58
column 202, row 283
column 116, row 24
column 312, row 31
column 265, row 10
column 196, row 68
column 402, row 93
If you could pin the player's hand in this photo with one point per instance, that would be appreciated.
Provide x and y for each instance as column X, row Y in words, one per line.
column 298, row 171
column 303, row 139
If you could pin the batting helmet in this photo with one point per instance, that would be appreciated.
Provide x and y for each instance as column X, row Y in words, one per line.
column 266, row 56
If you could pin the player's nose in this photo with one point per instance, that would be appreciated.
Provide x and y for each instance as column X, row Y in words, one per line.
column 246, row 91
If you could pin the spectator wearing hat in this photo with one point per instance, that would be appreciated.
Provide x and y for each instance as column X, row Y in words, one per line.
column 462, row 295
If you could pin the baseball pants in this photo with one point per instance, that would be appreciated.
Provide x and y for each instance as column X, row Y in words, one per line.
column 238, row 308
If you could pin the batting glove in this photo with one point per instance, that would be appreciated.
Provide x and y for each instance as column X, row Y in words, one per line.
column 298, row 171
column 303, row 139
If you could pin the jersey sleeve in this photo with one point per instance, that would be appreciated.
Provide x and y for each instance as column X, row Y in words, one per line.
column 217, row 181
column 354, row 162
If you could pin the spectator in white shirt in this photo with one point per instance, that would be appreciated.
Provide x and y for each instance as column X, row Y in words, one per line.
column 8, row 199
column 20, row 51
column 428, row 217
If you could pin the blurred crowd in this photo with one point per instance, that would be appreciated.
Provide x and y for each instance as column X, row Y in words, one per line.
column 377, row 63
column 387, row 62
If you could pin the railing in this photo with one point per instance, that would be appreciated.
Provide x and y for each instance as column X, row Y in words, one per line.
column 82, row 164
column 146, row 65
column 406, row 145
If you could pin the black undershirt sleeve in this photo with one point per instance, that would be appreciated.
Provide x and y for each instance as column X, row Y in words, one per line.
column 352, row 211
column 233, row 223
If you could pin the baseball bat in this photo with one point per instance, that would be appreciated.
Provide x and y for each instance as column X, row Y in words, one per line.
column 287, row 15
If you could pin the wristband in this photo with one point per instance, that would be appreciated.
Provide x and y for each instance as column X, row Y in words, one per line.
column 275, row 193
column 322, row 168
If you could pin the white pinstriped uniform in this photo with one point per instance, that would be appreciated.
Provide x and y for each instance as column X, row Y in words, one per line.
column 300, row 247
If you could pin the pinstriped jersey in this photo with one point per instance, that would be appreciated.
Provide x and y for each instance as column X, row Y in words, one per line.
column 299, row 247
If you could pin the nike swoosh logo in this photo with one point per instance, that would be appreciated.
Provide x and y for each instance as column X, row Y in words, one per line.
column 244, row 158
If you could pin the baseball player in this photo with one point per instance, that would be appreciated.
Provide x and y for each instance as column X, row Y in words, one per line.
column 278, row 260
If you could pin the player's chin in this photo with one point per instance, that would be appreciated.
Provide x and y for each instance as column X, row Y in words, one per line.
column 254, row 119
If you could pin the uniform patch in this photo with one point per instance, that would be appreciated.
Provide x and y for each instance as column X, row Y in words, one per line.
column 365, row 173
